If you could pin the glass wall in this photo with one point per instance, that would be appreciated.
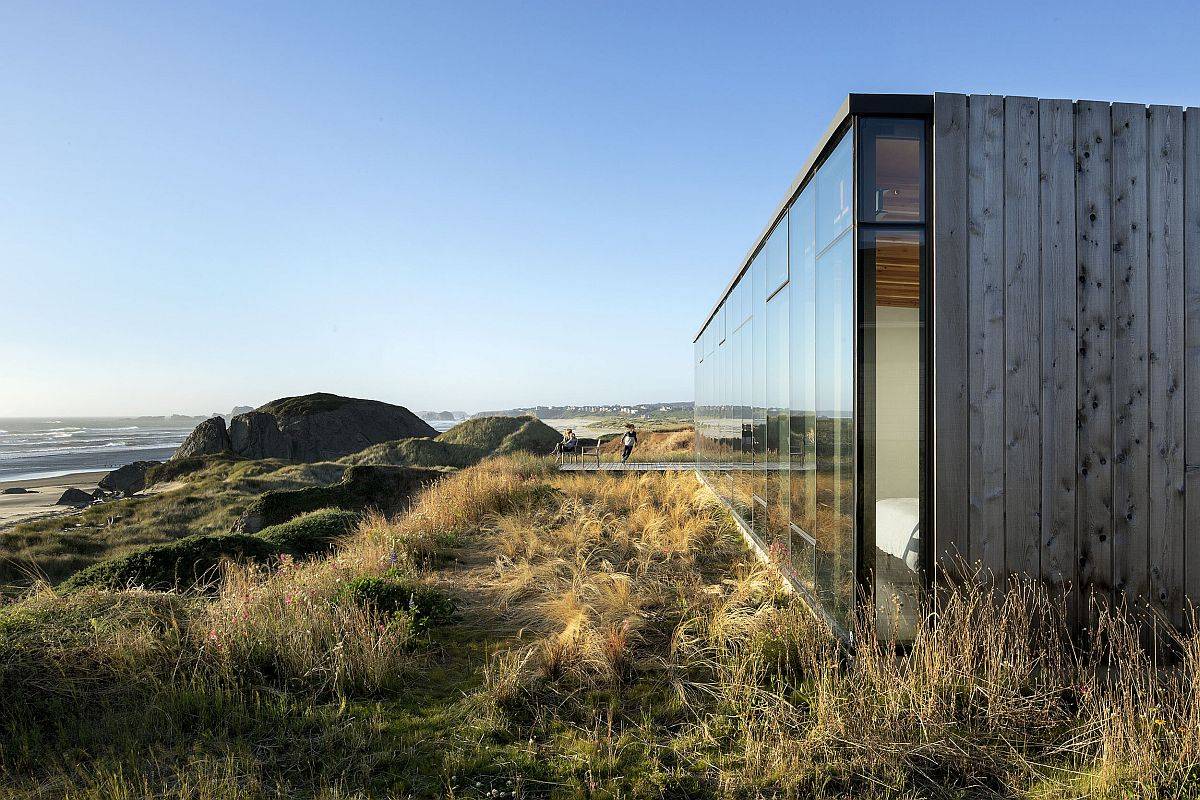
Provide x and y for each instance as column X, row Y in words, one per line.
column 813, row 431
column 891, row 253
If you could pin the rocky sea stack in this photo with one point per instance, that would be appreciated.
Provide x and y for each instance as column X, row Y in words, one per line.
column 314, row 427
column 129, row 479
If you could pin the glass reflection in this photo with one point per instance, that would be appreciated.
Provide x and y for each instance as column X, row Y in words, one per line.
column 834, row 375
column 892, row 175
column 803, row 404
column 779, row 394
column 834, row 180
column 777, row 511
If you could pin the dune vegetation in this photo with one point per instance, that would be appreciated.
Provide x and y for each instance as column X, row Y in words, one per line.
column 204, row 496
column 214, row 494
column 518, row 632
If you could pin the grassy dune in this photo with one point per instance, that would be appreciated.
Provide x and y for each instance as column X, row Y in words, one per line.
column 214, row 495
column 206, row 496
column 523, row 633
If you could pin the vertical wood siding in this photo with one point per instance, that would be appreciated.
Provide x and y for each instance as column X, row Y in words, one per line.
column 985, row 256
column 1022, row 338
column 1059, row 373
column 1191, row 256
column 1131, row 349
column 1165, row 206
column 950, row 344
column 1067, row 343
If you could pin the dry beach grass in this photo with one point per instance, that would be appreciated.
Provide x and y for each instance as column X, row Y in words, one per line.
column 570, row 635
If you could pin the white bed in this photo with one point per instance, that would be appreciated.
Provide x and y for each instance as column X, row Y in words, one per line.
column 898, row 529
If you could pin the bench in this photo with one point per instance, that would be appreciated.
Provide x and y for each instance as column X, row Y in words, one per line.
column 586, row 449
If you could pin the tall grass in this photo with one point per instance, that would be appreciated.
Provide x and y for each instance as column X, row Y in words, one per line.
column 620, row 643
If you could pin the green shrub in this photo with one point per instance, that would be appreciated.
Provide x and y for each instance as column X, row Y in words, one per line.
column 178, row 468
column 180, row 564
column 504, row 435
column 381, row 487
column 314, row 403
column 389, row 594
column 192, row 560
column 418, row 452
column 311, row 533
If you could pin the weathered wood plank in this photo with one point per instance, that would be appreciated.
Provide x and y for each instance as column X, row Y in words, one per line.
column 1022, row 338
column 1093, row 204
column 1192, row 352
column 1057, row 157
column 1131, row 350
column 950, row 288
column 985, row 226
column 1167, row 302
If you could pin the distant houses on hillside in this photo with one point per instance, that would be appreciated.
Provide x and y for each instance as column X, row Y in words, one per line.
column 641, row 410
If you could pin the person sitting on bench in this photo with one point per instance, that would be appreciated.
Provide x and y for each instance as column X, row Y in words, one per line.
column 568, row 444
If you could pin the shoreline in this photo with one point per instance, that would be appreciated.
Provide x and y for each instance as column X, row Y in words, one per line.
column 40, row 502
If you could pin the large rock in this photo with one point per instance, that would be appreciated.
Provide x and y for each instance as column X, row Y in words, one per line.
column 17, row 490
column 209, row 438
column 315, row 427
column 75, row 497
column 129, row 479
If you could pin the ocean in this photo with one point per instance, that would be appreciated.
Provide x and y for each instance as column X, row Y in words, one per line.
column 47, row 448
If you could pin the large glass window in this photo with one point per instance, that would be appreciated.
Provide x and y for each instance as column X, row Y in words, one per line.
column 834, row 182
column 834, row 376
column 890, row 261
column 743, row 502
column 803, row 389
column 777, row 436
column 775, row 257
column 892, row 170
column 808, row 358
column 758, row 391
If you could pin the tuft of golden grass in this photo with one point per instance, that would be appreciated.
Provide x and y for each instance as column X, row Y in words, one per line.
column 635, row 649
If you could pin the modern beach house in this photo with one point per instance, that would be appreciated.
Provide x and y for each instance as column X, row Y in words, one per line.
column 969, row 338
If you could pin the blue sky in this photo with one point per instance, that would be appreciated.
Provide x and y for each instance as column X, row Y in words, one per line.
column 447, row 205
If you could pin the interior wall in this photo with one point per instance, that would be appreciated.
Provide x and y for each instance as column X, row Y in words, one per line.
column 898, row 402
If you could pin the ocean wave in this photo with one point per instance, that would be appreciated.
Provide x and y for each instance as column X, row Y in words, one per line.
column 22, row 455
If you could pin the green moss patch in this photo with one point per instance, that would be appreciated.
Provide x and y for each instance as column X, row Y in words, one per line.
column 504, row 435
column 193, row 560
column 391, row 594
column 385, row 488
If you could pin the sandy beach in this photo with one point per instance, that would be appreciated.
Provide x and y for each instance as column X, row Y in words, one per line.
column 44, row 493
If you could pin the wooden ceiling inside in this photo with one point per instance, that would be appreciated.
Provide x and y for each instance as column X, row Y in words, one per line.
column 897, row 271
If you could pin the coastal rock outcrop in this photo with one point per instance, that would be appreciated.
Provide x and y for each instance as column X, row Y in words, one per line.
column 17, row 490
column 209, row 437
column 314, row 427
column 129, row 479
column 74, row 497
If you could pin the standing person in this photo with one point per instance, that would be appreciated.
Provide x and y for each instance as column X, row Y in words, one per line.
column 627, row 442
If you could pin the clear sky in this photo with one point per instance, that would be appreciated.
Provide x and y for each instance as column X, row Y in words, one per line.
column 447, row 205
